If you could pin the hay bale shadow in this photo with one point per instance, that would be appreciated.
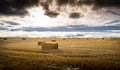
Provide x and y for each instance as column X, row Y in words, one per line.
column 49, row 45
column 53, row 40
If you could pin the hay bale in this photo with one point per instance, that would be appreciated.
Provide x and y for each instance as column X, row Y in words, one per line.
column 53, row 40
column 4, row 38
column 103, row 38
column 23, row 38
column 63, row 38
column 39, row 43
column 49, row 45
column 87, row 38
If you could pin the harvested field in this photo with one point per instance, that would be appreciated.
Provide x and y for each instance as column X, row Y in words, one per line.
column 74, row 54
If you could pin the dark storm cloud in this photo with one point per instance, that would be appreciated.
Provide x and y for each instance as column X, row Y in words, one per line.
column 107, row 2
column 77, row 3
column 75, row 15
column 62, row 2
column 45, row 4
column 51, row 14
column 88, row 2
column 16, row 7
column 73, row 2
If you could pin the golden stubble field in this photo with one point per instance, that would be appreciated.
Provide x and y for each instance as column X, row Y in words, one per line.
column 73, row 54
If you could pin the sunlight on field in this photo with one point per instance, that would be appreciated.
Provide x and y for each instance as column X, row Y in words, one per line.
column 74, row 54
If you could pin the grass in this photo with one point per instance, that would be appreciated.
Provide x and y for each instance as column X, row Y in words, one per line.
column 83, row 54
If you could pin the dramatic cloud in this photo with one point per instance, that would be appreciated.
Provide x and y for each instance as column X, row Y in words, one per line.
column 75, row 15
column 106, row 3
column 51, row 14
column 18, row 7
column 63, row 5
column 89, row 2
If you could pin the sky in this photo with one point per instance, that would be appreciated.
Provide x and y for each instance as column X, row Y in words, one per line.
column 60, row 18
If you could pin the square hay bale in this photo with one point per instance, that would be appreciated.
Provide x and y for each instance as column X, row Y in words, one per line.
column 103, row 38
column 23, row 38
column 4, row 38
column 63, row 38
column 49, row 45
